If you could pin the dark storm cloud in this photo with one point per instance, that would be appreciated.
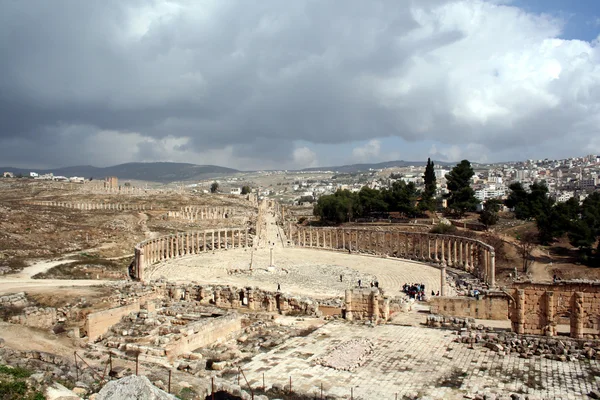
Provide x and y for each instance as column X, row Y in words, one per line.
column 252, row 78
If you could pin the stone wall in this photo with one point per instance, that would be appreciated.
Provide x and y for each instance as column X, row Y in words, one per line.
column 204, row 333
column 539, row 307
column 98, row 323
column 37, row 317
column 168, row 247
column 244, row 298
column 467, row 254
column 366, row 304
column 491, row 306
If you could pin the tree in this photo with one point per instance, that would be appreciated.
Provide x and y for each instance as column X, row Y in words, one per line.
column 489, row 215
column 427, row 202
column 214, row 187
column 339, row 207
column 246, row 189
column 526, row 243
column 462, row 197
column 517, row 201
column 371, row 201
column 402, row 197
column 584, row 231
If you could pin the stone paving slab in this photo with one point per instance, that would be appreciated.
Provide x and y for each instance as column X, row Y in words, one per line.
column 416, row 361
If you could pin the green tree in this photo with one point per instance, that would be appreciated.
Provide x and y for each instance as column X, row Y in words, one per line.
column 462, row 197
column 371, row 201
column 402, row 197
column 214, row 188
column 489, row 215
column 246, row 189
column 517, row 201
column 427, row 202
column 584, row 231
column 339, row 207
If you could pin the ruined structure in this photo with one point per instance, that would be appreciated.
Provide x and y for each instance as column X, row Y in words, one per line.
column 366, row 303
column 93, row 206
column 467, row 254
column 168, row 247
column 539, row 308
column 494, row 305
column 195, row 213
column 111, row 182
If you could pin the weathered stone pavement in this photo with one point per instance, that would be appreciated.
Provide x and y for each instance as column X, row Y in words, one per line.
column 416, row 361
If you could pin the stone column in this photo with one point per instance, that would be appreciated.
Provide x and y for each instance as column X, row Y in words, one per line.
column 492, row 269
column 330, row 239
column 204, row 241
column 455, row 250
column 443, row 260
column 519, row 318
column 141, row 265
column 337, row 239
column 443, row 279
column 219, row 239
column 406, row 252
column 251, row 305
column 212, row 242
column 357, row 241
column 344, row 239
column 348, row 304
column 310, row 234
column 317, row 236
column 386, row 308
column 468, row 265
column 577, row 316
column 177, row 249
column 375, row 305
column 247, row 237
column 550, row 329
column 225, row 237
column 429, row 247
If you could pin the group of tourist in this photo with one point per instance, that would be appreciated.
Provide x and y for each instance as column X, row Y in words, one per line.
column 414, row 291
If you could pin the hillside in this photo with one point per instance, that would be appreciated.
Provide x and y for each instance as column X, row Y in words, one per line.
column 365, row 167
column 156, row 171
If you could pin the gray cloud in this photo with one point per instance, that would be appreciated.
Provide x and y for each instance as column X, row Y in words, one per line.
column 238, row 83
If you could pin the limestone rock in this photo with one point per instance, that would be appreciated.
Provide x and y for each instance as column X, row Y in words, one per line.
column 132, row 388
column 58, row 392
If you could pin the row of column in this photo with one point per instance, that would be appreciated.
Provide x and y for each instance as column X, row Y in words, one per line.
column 92, row 206
column 471, row 255
column 200, row 213
column 182, row 244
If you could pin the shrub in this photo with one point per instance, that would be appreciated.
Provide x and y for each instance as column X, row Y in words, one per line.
column 443, row 229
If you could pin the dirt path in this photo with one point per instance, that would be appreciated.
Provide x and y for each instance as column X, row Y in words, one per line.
column 23, row 281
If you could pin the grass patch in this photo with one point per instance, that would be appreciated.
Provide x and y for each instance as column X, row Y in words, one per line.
column 87, row 268
column 15, row 372
column 13, row 385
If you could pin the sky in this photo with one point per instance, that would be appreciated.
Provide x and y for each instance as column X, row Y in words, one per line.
column 293, row 84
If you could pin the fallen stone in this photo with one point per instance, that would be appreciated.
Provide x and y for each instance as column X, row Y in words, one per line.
column 132, row 387
column 56, row 391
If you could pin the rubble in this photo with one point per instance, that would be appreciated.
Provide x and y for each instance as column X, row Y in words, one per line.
column 132, row 387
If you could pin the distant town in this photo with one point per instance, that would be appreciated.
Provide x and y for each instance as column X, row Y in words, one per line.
column 567, row 178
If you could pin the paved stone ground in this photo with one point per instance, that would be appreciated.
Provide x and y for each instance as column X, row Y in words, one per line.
column 417, row 361
column 313, row 273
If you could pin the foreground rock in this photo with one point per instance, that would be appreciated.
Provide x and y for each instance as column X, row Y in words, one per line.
column 133, row 388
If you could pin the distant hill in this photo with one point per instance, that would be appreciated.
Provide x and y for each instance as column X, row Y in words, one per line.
column 348, row 169
column 154, row 171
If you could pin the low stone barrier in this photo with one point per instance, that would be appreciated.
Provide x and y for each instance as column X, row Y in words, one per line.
column 490, row 306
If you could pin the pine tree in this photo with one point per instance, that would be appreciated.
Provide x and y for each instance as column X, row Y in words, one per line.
column 462, row 196
column 427, row 202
